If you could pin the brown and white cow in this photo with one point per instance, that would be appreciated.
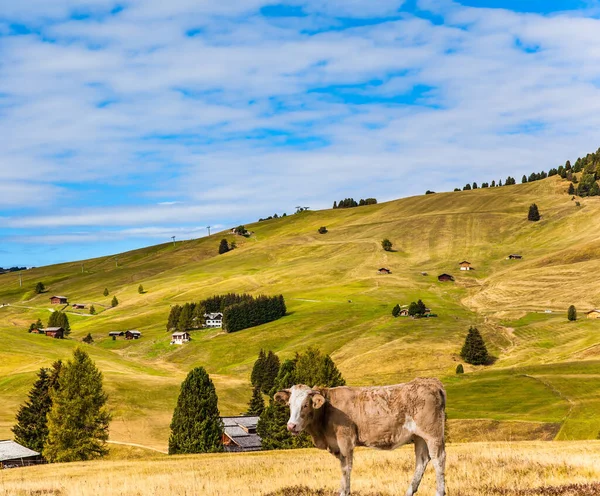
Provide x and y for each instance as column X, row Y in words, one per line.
column 385, row 417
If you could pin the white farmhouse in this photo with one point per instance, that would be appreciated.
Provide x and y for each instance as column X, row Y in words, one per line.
column 180, row 338
column 214, row 319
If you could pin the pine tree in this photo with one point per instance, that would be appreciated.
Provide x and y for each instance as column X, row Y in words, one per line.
column 141, row 289
column 534, row 213
column 572, row 313
column 413, row 309
column 173, row 317
column 92, row 310
column 36, row 325
column 270, row 371
column 31, row 429
column 422, row 307
column 330, row 374
column 88, row 339
column 474, row 350
column 396, row 310
column 386, row 244
column 40, row 288
column 257, row 403
column 460, row 369
column 223, row 247
column 258, row 370
column 571, row 189
column 196, row 426
column 114, row 302
column 524, row 179
column 335, row 204
column 60, row 319
column 185, row 318
column 105, row 292
column 78, row 421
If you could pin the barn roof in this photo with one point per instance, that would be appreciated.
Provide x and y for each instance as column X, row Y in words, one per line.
column 133, row 331
column 9, row 450
column 52, row 329
column 181, row 333
column 465, row 262
column 213, row 315
column 61, row 297
column 593, row 311
column 236, row 429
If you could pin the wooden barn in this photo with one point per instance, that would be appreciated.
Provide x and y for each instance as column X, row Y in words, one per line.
column 593, row 314
column 383, row 270
column 58, row 300
column 78, row 306
column 445, row 278
column 13, row 455
column 53, row 332
column 133, row 334
column 239, row 434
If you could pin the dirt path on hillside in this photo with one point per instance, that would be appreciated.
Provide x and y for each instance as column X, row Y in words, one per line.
column 134, row 445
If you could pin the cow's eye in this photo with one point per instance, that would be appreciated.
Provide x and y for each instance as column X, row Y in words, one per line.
column 305, row 406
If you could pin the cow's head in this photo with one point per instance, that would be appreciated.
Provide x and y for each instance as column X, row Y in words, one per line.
column 304, row 403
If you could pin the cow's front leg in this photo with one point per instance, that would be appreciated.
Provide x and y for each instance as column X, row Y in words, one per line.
column 346, row 464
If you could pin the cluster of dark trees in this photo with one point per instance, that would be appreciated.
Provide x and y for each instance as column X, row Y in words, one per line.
column 59, row 319
column 311, row 367
column 474, row 350
column 253, row 312
column 467, row 187
column 241, row 231
column 264, row 374
column 36, row 325
column 351, row 202
column 240, row 311
column 274, row 216
column 65, row 416
column 12, row 269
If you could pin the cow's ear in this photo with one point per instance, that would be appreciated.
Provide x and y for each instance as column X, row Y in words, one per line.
column 282, row 397
column 317, row 401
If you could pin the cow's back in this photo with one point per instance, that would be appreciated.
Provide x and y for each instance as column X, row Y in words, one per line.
column 388, row 416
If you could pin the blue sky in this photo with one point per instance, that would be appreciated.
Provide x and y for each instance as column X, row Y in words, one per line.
column 125, row 123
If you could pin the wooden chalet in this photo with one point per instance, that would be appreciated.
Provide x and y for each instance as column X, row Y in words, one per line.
column 133, row 334
column 180, row 337
column 593, row 314
column 13, row 455
column 239, row 434
column 214, row 319
column 53, row 332
column 464, row 265
column 445, row 278
column 59, row 300
column 383, row 270
column 116, row 333
column 78, row 306
column 513, row 256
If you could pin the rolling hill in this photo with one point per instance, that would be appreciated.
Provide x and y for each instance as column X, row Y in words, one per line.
column 543, row 384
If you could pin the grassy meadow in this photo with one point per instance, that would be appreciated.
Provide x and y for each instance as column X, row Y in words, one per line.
column 544, row 382
column 475, row 469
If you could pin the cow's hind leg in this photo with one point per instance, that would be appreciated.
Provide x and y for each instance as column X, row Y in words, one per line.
column 346, row 464
column 421, row 461
column 437, row 452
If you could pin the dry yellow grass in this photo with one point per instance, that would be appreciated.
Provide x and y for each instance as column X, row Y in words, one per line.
column 477, row 469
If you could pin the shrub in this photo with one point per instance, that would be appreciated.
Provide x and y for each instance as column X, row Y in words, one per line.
column 386, row 244
column 572, row 313
column 459, row 368
column 141, row 289
column 105, row 292
column 40, row 288
column 223, row 247
column 88, row 339
column 322, row 230
column 114, row 302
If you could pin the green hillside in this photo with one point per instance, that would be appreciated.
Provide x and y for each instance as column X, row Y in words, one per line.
column 544, row 379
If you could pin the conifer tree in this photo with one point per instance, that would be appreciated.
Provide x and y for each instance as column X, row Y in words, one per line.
column 92, row 310
column 173, row 317
column 386, row 244
column 105, row 292
column 185, row 318
column 571, row 189
column 36, row 325
column 78, row 421
column 335, row 204
column 223, row 247
column 114, row 302
column 40, row 288
column 60, row 319
column 422, row 307
column 534, row 213
column 524, row 179
column 460, row 369
column 258, row 370
column 572, row 313
column 88, row 339
column 196, row 426
column 257, row 403
column 474, row 350
column 31, row 429
column 141, row 289
column 396, row 310
column 270, row 371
